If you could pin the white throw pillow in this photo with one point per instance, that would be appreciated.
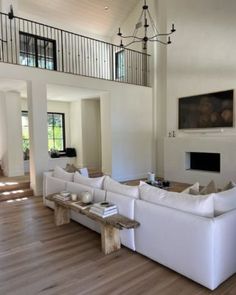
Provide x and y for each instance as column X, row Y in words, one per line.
column 195, row 187
column 115, row 187
column 62, row 174
column 225, row 201
column 96, row 182
column 198, row 205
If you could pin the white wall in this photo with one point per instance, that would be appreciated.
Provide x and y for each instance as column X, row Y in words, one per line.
column 132, row 133
column 202, row 60
column 91, row 133
column 76, row 130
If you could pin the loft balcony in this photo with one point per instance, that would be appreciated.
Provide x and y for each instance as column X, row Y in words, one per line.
column 33, row 44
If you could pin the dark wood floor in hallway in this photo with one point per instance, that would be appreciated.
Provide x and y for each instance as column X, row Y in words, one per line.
column 36, row 257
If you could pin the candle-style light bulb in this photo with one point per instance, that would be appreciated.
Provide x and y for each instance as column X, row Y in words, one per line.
column 119, row 33
column 173, row 28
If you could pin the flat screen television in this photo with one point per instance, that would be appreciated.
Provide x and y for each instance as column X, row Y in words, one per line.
column 212, row 110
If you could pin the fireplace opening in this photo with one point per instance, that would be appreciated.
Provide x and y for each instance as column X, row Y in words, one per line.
column 203, row 161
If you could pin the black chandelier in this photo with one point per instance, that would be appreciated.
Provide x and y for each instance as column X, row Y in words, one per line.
column 145, row 20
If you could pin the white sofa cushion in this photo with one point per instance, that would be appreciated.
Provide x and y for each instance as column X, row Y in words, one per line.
column 111, row 185
column 96, row 182
column 62, row 174
column 225, row 201
column 99, row 195
column 198, row 205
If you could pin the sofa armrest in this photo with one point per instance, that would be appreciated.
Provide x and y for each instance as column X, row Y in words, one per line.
column 179, row 240
column 224, row 246
column 52, row 185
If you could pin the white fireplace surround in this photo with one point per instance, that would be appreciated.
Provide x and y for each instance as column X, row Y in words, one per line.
column 175, row 158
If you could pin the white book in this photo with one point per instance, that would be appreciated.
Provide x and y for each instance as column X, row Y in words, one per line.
column 102, row 215
column 97, row 210
column 105, row 206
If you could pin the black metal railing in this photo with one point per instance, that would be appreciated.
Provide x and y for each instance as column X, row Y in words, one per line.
column 30, row 43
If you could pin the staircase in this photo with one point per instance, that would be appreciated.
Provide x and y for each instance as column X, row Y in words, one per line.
column 14, row 190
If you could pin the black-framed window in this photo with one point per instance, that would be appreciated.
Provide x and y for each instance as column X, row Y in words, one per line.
column 120, row 64
column 36, row 51
column 25, row 131
column 56, row 131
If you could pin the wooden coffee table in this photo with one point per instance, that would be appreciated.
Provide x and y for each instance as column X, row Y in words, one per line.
column 110, row 226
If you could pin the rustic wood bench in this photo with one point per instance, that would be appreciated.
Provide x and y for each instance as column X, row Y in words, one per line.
column 110, row 226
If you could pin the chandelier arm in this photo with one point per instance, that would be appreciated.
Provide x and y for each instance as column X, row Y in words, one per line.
column 161, row 35
column 125, row 37
column 131, row 43
column 162, row 42
column 153, row 23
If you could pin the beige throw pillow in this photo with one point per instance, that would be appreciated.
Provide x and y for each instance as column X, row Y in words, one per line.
column 71, row 168
column 230, row 185
column 209, row 189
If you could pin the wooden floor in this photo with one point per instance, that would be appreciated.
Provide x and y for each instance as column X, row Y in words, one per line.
column 36, row 257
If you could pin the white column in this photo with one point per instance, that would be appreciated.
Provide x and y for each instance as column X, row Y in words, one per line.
column 37, row 106
column 11, row 142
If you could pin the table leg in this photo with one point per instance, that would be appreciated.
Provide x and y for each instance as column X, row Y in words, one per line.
column 110, row 238
column 61, row 215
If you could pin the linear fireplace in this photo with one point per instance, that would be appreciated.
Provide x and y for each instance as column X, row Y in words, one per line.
column 203, row 161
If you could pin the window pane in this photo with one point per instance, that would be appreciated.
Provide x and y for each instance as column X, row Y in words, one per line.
column 51, row 144
column 49, row 49
column 49, row 64
column 50, row 132
column 25, row 132
column 27, row 60
column 59, row 144
column 41, row 62
column 120, row 64
column 50, row 119
column 58, row 132
column 58, row 120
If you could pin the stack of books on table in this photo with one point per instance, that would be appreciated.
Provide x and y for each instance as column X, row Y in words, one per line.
column 63, row 196
column 104, row 209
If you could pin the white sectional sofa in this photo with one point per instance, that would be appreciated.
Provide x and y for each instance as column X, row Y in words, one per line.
column 198, row 247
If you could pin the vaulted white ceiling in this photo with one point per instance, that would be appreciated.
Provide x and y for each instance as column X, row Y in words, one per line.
column 80, row 15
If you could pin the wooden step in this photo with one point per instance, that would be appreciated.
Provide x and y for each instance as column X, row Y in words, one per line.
column 13, row 186
column 95, row 174
column 17, row 194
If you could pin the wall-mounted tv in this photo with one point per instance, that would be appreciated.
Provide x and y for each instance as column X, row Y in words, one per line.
column 212, row 110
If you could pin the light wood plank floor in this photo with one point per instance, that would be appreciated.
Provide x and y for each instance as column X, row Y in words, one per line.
column 36, row 257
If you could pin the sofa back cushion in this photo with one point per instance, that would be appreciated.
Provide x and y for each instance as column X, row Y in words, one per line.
column 62, row 174
column 225, row 201
column 96, row 182
column 111, row 185
column 198, row 205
